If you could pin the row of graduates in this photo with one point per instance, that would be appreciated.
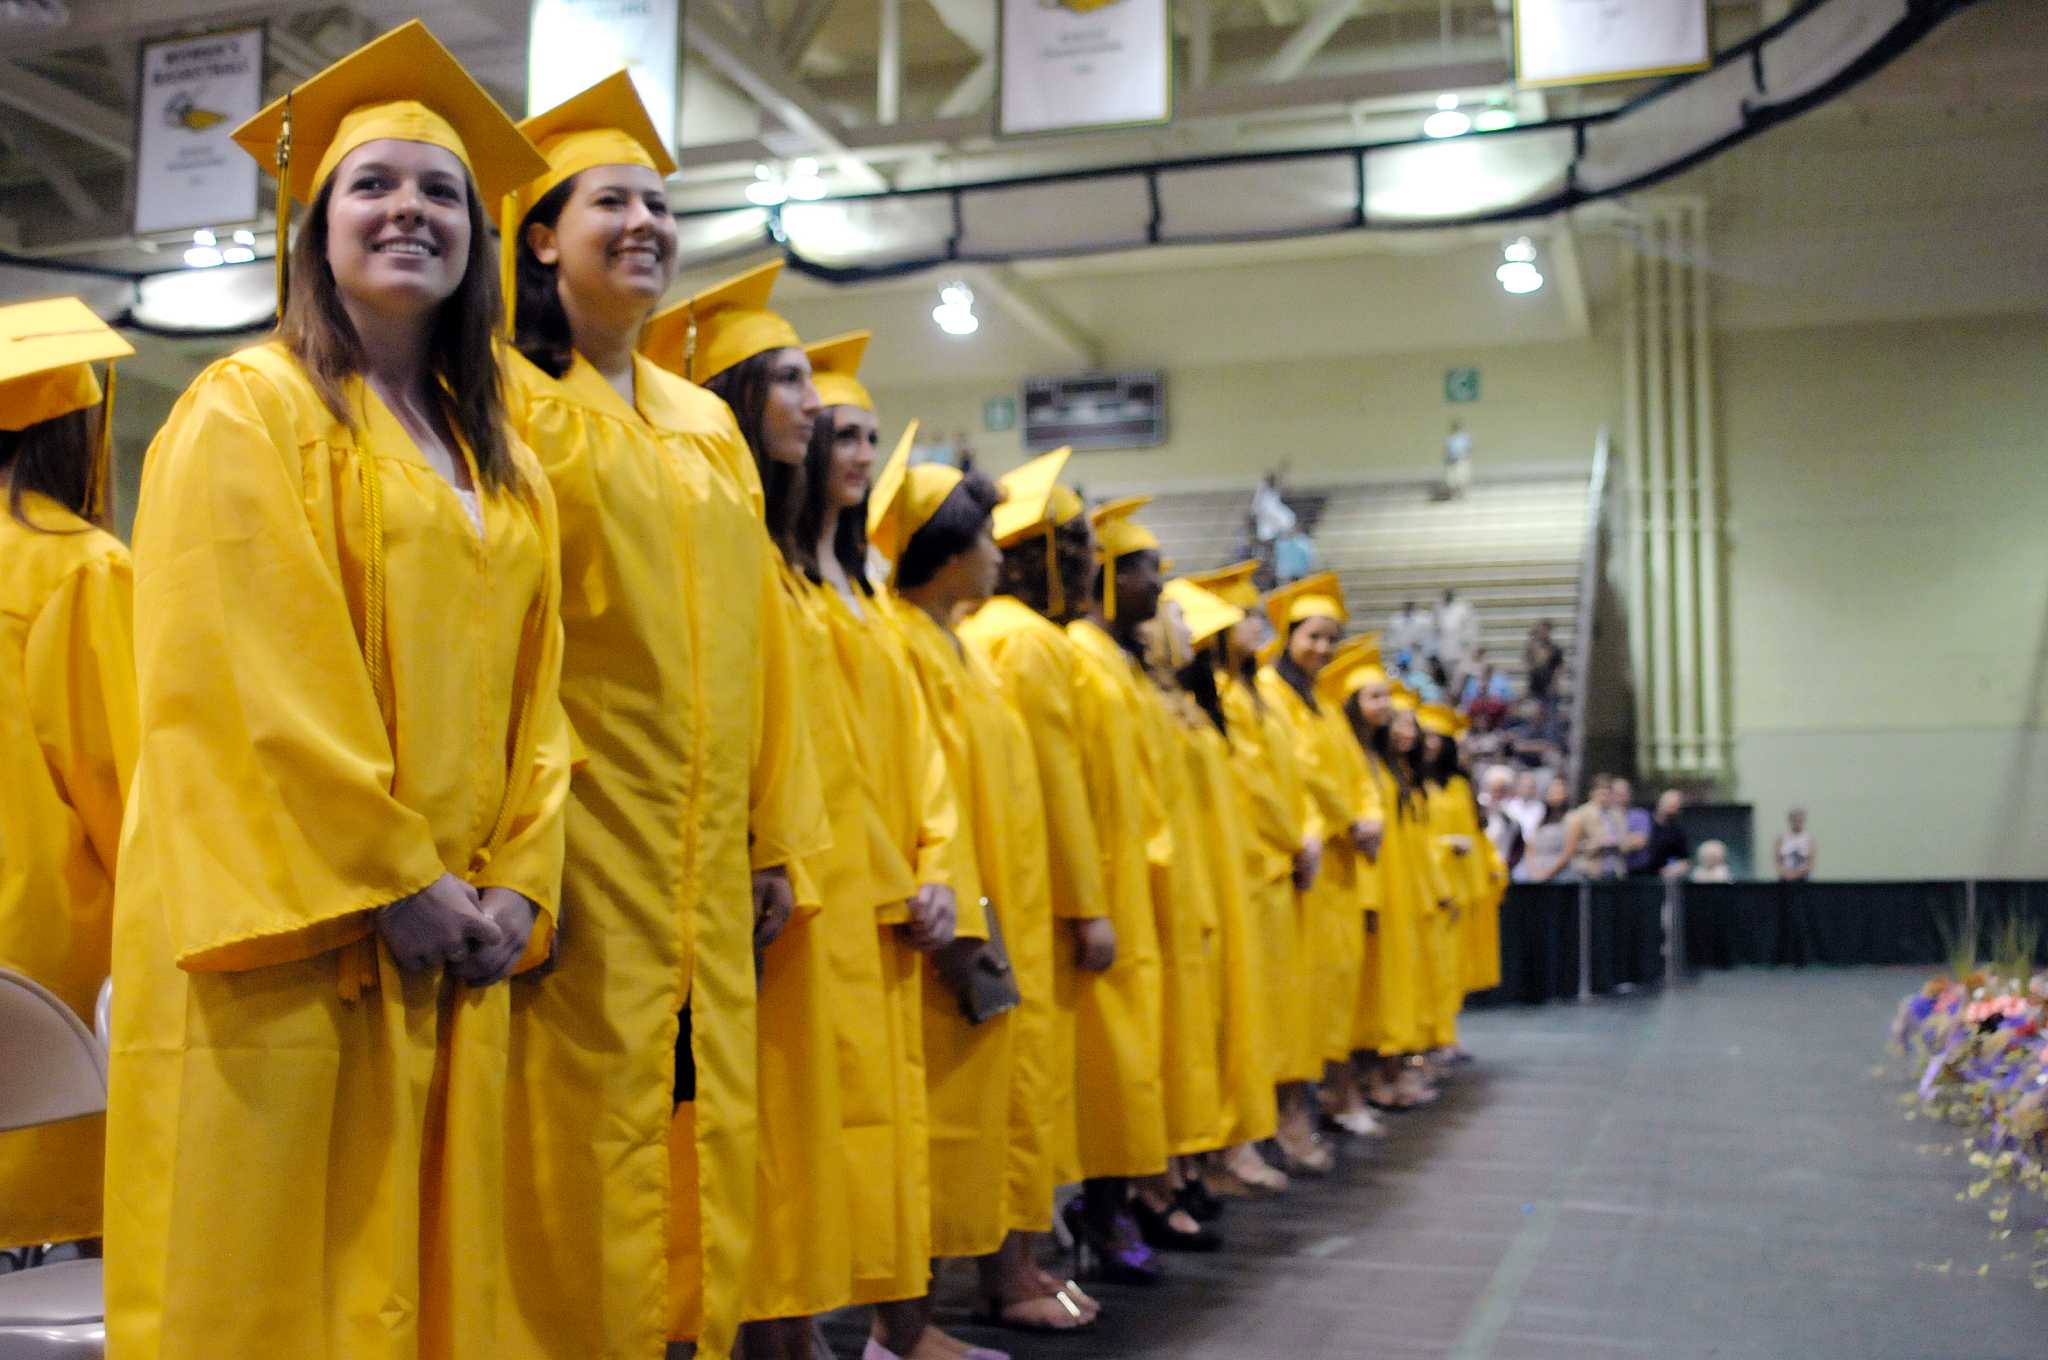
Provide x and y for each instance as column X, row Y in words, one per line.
column 548, row 880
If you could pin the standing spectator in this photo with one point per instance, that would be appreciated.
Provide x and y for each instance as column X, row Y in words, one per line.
column 1795, row 849
column 1500, row 826
column 1713, row 865
column 1596, row 831
column 1457, row 632
column 1457, row 460
column 1272, row 516
column 1410, row 636
column 1525, row 805
column 1668, row 853
column 1541, row 658
column 1635, row 836
column 1547, row 855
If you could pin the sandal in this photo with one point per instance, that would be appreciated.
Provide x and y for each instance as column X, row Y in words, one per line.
column 1065, row 1316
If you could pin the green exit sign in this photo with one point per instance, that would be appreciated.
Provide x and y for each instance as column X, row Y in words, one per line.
column 999, row 413
column 1461, row 385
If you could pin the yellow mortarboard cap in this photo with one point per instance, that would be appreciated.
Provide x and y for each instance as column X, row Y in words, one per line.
column 47, row 350
column 1116, row 536
column 1205, row 613
column 905, row 497
column 1352, row 667
column 726, row 324
column 1437, row 718
column 1460, row 724
column 606, row 124
column 834, row 363
column 406, row 86
column 1065, row 506
column 1232, row 583
column 1320, row 596
column 1028, row 495
column 1406, row 700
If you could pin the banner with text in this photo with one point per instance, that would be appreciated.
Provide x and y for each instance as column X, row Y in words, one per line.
column 193, row 93
column 1580, row 42
column 1074, row 64
column 573, row 44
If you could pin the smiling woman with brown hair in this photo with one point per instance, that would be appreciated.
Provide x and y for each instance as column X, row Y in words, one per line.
column 347, row 816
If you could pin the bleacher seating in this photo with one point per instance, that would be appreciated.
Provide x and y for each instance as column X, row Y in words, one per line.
column 1511, row 545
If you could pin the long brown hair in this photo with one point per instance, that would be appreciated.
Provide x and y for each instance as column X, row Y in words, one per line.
column 53, row 458
column 462, row 352
column 744, row 387
column 850, row 530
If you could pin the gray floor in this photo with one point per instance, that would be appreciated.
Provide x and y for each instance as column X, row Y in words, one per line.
column 1717, row 1173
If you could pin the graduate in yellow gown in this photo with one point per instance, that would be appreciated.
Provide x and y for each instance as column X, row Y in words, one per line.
column 884, row 916
column 997, row 1090
column 1386, row 1026
column 1344, row 817
column 1125, row 770
column 346, row 825
column 1479, row 933
column 1048, row 559
column 1424, row 899
column 1107, row 974
column 1278, row 861
column 1237, row 958
column 696, row 787
column 67, row 719
column 1149, row 644
column 1468, row 863
column 800, row 1261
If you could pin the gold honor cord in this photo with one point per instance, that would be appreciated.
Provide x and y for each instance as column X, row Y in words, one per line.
column 101, row 473
column 284, row 202
column 510, row 214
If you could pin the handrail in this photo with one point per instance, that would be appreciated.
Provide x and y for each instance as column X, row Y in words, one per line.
column 1582, row 633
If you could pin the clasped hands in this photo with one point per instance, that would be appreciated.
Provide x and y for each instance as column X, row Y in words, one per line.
column 478, row 935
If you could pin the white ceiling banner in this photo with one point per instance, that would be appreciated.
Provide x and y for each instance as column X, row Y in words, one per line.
column 1070, row 64
column 1579, row 42
column 193, row 93
column 573, row 44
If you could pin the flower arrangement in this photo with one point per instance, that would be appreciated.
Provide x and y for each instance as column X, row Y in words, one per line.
column 1978, row 1037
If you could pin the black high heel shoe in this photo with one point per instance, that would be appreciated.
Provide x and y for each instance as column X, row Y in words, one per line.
column 1157, row 1229
column 1199, row 1202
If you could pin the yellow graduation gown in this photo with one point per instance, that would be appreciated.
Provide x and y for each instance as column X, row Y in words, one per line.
column 1237, row 961
column 1185, row 912
column 1334, row 931
column 801, row 1258
column 292, row 1171
column 1276, row 812
column 1455, row 872
column 1389, row 1016
column 67, row 747
column 1479, row 928
column 987, row 1082
column 1036, row 666
column 1119, row 1096
column 880, row 1011
column 693, row 775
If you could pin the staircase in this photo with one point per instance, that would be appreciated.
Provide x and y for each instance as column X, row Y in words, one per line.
column 1511, row 546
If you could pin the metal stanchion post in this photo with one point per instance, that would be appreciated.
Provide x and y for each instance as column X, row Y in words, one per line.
column 1585, row 941
column 1970, row 914
column 1674, row 933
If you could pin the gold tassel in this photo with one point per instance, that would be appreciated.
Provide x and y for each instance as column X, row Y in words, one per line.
column 1109, row 587
column 1055, row 597
column 509, row 218
column 101, row 472
column 284, row 203
column 690, row 350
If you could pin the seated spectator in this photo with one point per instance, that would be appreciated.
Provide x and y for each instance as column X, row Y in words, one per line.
column 1667, row 852
column 1597, row 829
column 1483, row 683
column 1485, row 742
column 1713, row 865
column 1503, row 830
column 1635, row 836
column 1533, row 735
column 1294, row 556
column 1548, row 850
column 1794, row 851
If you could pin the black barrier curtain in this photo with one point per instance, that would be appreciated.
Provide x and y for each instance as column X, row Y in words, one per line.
column 1741, row 925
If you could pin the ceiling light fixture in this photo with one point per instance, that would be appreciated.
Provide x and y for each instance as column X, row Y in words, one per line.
column 1495, row 120
column 767, row 190
column 1448, row 120
column 1518, row 273
column 955, row 312
column 804, row 180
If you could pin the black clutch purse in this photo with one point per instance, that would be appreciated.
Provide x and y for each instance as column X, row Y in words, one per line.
column 979, row 972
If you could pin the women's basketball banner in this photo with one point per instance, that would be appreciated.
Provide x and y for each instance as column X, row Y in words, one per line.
column 1580, row 42
column 193, row 93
